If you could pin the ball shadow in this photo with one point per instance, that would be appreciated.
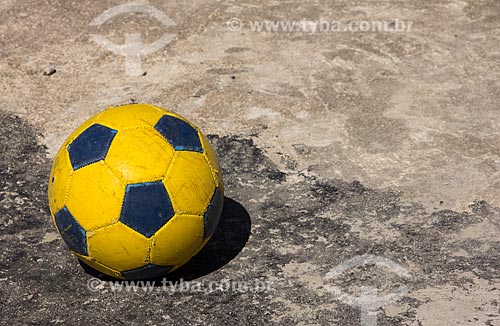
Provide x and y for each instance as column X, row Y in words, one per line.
column 229, row 239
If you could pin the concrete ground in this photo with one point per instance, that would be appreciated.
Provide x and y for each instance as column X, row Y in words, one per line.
column 333, row 145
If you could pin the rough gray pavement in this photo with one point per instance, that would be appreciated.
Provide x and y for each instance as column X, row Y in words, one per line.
column 333, row 145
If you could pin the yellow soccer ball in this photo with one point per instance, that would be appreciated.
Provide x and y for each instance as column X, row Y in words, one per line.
column 136, row 191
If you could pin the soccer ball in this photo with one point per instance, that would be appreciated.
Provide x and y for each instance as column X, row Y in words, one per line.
column 136, row 191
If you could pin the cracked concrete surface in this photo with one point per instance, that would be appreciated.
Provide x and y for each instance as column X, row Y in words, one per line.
column 335, row 144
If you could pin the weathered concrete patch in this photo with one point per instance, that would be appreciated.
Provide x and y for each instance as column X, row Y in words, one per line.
column 287, row 228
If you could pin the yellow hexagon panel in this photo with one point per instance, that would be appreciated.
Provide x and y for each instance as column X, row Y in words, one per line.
column 189, row 182
column 177, row 241
column 139, row 155
column 118, row 247
column 168, row 112
column 98, row 266
column 127, row 116
column 213, row 161
column 60, row 177
column 209, row 151
column 95, row 196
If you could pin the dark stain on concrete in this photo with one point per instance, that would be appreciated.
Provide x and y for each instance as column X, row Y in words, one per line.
column 296, row 220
